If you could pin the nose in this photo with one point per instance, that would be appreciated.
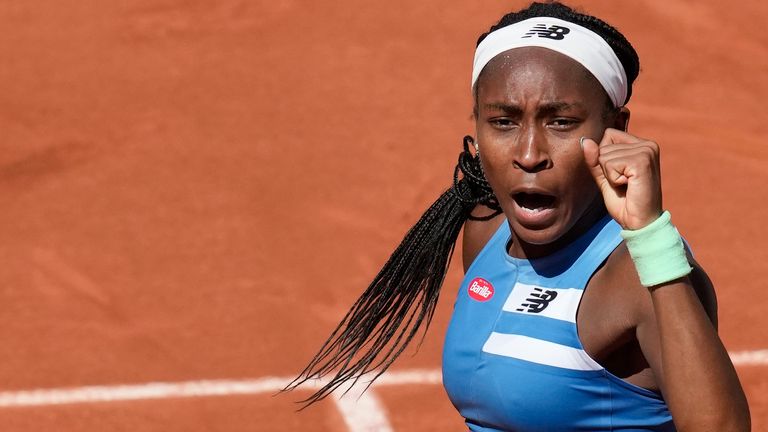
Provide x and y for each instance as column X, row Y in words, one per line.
column 531, row 154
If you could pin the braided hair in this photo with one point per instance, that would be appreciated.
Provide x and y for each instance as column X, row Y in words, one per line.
column 403, row 295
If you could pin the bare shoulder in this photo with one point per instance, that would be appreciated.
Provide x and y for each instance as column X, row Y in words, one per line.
column 476, row 235
column 616, row 320
column 619, row 270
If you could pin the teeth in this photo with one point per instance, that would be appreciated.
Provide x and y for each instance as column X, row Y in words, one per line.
column 532, row 210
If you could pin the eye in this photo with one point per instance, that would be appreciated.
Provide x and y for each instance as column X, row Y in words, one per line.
column 502, row 123
column 563, row 123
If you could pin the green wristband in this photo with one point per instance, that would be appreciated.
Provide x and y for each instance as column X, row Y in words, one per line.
column 657, row 251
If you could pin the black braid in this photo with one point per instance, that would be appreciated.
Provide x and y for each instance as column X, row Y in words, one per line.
column 474, row 189
column 403, row 296
column 405, row 292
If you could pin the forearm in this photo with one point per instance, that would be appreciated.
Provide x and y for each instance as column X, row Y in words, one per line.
column 700, row 383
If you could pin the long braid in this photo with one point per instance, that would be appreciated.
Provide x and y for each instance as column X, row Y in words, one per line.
column 387, row 316
column 475, row 190
column 403, row 295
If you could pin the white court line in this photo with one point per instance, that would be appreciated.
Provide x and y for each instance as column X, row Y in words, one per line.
column 750, row 358
column 207, row 388
column 156, row 390
column 413, row 376
column 191, row 389
column 361, row 411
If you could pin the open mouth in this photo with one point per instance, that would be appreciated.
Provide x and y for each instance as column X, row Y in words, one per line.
column 534, row 202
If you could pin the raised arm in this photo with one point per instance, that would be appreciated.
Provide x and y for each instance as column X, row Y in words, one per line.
column 676, row 323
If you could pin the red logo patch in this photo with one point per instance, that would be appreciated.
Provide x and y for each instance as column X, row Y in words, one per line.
column 480, row 289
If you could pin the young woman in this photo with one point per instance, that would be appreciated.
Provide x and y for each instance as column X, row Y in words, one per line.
column 581, row 308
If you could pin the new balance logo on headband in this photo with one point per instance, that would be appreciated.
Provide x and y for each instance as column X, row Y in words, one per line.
column 537, row 300
column 579, row 43
column 549, row 32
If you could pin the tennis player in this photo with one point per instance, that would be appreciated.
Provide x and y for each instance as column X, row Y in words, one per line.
column 582, row 308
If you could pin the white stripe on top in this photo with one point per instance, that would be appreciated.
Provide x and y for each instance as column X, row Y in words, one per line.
column 539, row 351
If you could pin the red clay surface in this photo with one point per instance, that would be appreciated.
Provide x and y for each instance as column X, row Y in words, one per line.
column 199, row 190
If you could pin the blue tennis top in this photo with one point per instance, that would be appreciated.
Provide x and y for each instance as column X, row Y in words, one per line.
column 512, row 359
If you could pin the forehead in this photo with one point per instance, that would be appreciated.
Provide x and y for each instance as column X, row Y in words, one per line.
column 534, row 72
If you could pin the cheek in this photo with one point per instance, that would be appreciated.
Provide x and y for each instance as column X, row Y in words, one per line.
column 569, row 161
column 569, row 155
column 496, row 148
column 571, row 174
column 496, row 160
column 579, row 187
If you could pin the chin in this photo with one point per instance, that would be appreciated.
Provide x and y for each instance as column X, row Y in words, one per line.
column 544, row 232
column 538, row 236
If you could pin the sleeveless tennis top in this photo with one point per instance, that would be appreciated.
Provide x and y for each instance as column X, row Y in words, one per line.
column 512, row 359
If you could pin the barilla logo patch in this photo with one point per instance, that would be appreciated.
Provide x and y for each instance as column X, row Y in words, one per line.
column 480, row 289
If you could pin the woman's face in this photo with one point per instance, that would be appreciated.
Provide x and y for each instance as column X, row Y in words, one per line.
column 533, row 106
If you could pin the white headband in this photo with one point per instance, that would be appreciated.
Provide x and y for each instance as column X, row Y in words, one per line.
column 567, row 38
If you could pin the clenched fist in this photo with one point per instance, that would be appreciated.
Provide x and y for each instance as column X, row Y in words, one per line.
column 626, row 168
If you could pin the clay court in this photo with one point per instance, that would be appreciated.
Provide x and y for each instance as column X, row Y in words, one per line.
column 194, row 192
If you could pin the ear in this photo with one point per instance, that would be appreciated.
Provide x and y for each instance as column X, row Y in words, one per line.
column 621, row 121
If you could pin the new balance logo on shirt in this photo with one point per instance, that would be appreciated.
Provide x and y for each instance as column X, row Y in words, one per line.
column 538, row 300
column 532, row 329
column 557, row 303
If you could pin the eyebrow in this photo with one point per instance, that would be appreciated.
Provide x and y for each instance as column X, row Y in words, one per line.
column 545, row 108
